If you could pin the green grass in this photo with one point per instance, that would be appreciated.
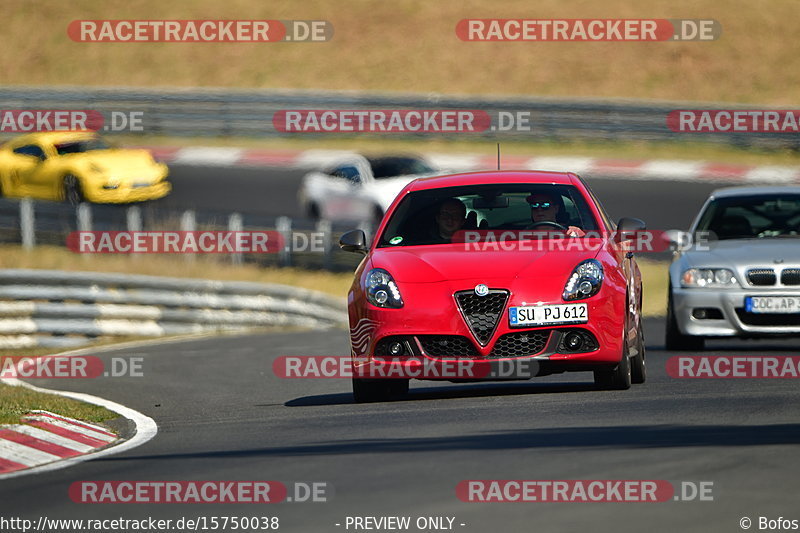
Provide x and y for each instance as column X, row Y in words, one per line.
column 17, row 401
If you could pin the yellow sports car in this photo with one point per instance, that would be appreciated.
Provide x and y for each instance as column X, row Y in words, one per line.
column 79, row 167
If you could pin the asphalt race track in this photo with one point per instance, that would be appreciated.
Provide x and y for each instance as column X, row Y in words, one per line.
column 223, row 415
column 273, row 191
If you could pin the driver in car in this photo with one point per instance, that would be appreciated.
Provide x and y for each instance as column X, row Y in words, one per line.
column 544, row 213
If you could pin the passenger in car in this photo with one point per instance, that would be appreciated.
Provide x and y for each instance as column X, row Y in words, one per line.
column 451, row 215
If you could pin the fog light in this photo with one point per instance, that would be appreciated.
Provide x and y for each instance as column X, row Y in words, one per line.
column 396, row 348
column 573, row 341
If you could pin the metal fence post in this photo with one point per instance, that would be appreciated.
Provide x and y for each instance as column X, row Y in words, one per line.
column 284, row 226
column 235, row 224
column 189, row 223
column 27, row 223
column 84, row 216
column 324, row 227
column 133, row 218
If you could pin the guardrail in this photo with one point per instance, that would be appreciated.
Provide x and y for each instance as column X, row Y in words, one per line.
column 218, row 112
column 32, row 223
column 52, row 308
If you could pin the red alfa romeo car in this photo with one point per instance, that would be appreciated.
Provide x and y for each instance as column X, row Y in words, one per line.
column 495, row 267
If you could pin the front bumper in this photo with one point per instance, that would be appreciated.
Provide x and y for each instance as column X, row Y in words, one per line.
column 735, row 321
column 429, row 314
column 126, row 194
column 423, row 358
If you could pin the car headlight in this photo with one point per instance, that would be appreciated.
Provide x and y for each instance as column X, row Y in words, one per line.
column 585, row 281
column 381, row 289
column 709, row 277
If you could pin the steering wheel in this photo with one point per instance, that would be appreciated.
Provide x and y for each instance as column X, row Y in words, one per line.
column 548, row 223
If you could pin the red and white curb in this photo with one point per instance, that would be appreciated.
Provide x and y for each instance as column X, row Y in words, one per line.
column 45, row 437
column 69, row 441
column 638, row 169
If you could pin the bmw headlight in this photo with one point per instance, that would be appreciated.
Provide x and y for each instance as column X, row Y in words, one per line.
column 381, row 289
column 585, row 281
column 717, row 278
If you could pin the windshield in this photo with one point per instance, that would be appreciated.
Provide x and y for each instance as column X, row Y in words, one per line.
column 748, row 217
column 76, row 147
column 389, row 167
column 434, row 216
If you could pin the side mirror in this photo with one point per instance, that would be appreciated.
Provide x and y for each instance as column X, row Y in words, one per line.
column 354, row 241
column 627, row 228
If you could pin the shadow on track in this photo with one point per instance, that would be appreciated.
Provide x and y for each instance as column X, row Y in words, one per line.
column 452, row 392
column 612, row 437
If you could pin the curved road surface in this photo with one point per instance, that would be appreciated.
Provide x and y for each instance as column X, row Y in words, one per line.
column 273, row 192
column 223, row 415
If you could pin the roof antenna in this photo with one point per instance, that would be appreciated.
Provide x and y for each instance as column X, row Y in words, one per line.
column 498, row 156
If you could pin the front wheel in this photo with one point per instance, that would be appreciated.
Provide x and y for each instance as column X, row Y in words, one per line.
column 617, row 379
column 638, row 366
column 73, row 194
column 379, row 390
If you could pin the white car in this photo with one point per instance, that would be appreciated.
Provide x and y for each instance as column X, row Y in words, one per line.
column 359, row 188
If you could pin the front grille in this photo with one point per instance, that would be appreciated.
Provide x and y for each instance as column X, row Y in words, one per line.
column 482, row 313
column 444, row 346
column 141, row 185
column 761, row 276
column 767, row 319
column 790, row 276
column 520, row 344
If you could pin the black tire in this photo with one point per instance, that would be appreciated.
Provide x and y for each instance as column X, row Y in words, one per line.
column 638, row 361
column 674, row 339
column 73, row 194
column 619, row 378
column 379, row 390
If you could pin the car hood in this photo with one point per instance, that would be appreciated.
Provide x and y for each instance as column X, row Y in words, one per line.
column 743, row 252
column 116, row 161
column 436, row 263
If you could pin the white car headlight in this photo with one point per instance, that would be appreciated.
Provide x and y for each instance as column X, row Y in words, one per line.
column 718, row 278
column 381, row 289
column 585, row 281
